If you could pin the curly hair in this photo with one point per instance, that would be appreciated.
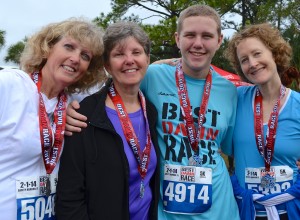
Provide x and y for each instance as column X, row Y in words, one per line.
column 291, row 78
column 270, row 37
column 38, row 47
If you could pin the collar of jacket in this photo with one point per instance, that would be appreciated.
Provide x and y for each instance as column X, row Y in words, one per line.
column 99, row 116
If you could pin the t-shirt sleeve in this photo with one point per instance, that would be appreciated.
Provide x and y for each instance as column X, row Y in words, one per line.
column 227, row 144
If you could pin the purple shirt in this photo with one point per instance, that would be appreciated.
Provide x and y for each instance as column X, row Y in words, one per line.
column 138, row 207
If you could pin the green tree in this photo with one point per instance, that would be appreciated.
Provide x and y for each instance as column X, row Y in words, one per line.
column 292, row 32
column 2, row 39
column 219, row 60
column 14, row 52
column 254, row 11
column 280, row 13
column 104, row 20
column 161, row 34
column 292, row 35
column 284, row 14
column 294, row 12
column 163, row 41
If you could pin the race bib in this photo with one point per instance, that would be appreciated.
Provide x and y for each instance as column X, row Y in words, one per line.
column 187, row 189
column 283, row 179
column 32, row 202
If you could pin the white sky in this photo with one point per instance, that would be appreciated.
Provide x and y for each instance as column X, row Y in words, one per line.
column 20, row 18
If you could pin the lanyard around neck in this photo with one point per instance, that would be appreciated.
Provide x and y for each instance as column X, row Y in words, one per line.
column 266, row 149
column 193, row 135
column 143, row 158
column 51, row 149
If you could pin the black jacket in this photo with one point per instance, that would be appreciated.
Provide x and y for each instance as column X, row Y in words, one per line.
column 94, row 170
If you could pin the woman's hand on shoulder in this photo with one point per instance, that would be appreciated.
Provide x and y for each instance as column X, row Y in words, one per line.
column 171, row 62
column 75, row 120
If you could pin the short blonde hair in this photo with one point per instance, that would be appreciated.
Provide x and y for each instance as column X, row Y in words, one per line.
column 199, row 10
column 38, row 47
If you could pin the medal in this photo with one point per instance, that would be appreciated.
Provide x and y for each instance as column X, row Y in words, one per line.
column 267, row 181
column 142, row 189
column 48, row 186
column 195, row 161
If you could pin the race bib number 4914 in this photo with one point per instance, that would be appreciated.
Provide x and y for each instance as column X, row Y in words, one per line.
column 187, row 189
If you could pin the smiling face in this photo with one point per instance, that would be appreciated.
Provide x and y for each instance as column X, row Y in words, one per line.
column 127, row 63
column 256, row 61
column 67, row 62
column 198, row 42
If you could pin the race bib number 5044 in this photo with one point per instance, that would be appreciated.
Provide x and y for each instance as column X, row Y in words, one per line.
column 32, row 203
column 187, row 189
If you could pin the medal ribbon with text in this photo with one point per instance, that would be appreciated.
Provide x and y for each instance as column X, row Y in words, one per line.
column 143, row 158
column 193, row 135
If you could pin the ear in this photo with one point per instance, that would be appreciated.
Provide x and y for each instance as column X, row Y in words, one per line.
column 107, row 68
column 220, row 40
column 148, row 59
column 177, row 36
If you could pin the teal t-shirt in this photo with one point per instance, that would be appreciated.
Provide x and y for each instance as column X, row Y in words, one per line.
column 159, row 86
column 249, row 162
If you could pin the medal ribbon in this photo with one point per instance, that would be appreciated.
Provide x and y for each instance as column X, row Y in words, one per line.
column 266, row 150
column 193, row 135
column 131, row 138
column 51, row 150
